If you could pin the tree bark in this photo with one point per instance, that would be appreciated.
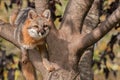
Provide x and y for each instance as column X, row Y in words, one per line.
column 41, row 5
column 91, row 22
column 67, row 44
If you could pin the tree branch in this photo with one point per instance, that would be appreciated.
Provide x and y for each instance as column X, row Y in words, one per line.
column 74, row 16
column 91, row 22
column 7, row 31
column 91, row 38
column 82, row 42
column 41, row 5
column 92, row 19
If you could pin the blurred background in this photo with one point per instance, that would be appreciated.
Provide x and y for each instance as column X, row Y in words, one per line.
column 106, row 60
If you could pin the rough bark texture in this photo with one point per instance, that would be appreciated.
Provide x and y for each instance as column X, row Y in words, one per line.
column 91, row 22
column 41, row 5
column 66, row 45
column 85, row 65
column 72, row 22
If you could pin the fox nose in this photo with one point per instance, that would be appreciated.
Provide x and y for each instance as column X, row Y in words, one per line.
column 43, row 32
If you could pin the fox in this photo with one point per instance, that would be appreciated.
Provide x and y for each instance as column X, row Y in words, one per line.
column 31, row 30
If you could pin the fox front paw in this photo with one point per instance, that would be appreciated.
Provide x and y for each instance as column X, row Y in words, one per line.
column 51, row 68
column 48, row 65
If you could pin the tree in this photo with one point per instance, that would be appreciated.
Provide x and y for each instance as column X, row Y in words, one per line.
column 71, row 46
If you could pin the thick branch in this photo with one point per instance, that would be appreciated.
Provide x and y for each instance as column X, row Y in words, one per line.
column 91, row 21
column 74, row 15
column 85, row 65
column 92, row 18
column 7, row 32
column 41, row 5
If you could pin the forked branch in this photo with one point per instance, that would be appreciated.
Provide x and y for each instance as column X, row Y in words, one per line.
column 74, row 15
column 102, row 29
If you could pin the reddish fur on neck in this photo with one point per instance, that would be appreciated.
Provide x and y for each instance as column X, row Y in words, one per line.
column 27, row 39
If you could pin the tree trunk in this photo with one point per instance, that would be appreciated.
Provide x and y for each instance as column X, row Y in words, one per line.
column 67, row 45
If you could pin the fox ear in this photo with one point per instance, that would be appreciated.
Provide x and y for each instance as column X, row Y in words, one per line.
column 32, row 14
column 47, row 14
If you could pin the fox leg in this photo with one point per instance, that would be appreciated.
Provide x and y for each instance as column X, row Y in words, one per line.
column 44, row 56
column 27, row 67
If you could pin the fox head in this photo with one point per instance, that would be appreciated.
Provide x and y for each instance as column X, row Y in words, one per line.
column 39, row 25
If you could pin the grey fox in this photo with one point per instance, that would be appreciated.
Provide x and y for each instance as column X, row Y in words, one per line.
column 31, row 30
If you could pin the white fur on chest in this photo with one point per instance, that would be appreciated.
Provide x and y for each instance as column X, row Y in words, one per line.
column 31, row 46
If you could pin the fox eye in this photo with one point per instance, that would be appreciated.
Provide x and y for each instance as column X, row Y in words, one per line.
column 45, row 25
column 36, row 26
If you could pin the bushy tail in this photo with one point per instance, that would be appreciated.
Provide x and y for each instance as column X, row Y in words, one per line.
column 13, row 16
